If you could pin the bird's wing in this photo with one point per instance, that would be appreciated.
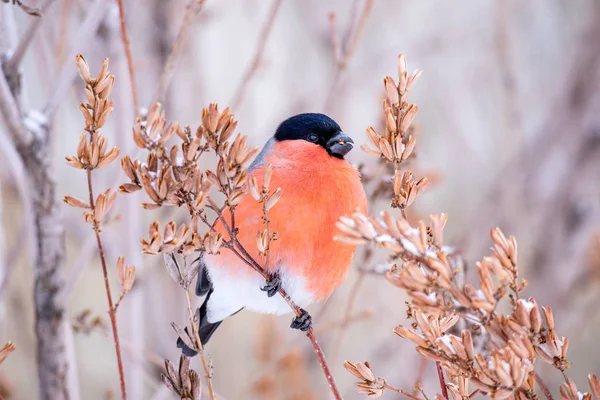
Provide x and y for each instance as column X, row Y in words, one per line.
column 203, row 283
column 259, row 161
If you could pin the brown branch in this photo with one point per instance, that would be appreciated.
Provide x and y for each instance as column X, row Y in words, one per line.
column 395, row 389
column 442, row 380
column 207, row 370
column 192, row 9
column 127, row 46
column 111, row 308
column 258, row 54
column 63, row 31
column 543, row 386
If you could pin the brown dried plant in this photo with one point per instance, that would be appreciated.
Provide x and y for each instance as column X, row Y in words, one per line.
column 184, row 382
column 502, row 364
column 8, row 348
column 93, row 153
column 172, row 176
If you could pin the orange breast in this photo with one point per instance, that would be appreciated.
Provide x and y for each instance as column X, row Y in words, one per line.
column 317, row 190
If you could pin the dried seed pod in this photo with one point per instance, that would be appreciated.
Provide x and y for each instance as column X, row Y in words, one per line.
column 273, row 199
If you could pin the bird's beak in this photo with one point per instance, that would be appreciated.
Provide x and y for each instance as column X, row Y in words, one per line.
column 340, row 144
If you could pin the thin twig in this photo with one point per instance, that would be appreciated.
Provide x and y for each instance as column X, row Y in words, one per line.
column 395, row 389
column 84, row 34
column 258, row 54
column 420, row 373
column 310, row 334
column 442, row 380
column 343, row 56
column 111, row 308
column 13, row 63
column 207, row 372
column 543, row 386
column 192, row 9
column 127, row 46
column 63, row 31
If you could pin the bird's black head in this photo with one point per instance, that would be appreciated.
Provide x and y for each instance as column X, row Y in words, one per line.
column 318, row 129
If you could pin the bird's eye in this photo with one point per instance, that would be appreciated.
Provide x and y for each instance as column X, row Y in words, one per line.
column 313, row 138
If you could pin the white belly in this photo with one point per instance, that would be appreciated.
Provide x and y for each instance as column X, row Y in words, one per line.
column 234, row 292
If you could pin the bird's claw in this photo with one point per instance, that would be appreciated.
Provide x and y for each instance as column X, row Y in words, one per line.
column 302, row 322
column 272, row 285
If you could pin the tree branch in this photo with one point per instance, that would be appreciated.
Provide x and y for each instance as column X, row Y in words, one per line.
column 238, row 96
column 12, row 65
column 192, row 9
column 125, row 39
column 83, row 36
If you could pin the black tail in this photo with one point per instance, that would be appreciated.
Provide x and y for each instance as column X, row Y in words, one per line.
column 205, row 329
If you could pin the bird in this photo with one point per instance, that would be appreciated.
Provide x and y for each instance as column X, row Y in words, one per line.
column 307, row 155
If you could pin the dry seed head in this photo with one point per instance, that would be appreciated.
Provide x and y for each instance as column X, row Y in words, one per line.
column 391, row 90
column 267, row 178
column 273, row 199
column 185, row 383
column 125, row 274
column 8, row 348
column 104, row 202
column 407, row 119
column 262, row 241
column 253, row 188
column 360, row 370
column 75, row 202
column 83, row 68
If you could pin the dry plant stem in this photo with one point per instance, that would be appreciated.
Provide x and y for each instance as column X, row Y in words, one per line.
column 63, row 31
column 207, row 372
column 542, row 385
column 440, row 372
column 420, row 373
column 258, row 54
column 126, row 44
column 310, row 334
column 192, row 9
column 111, row 308
column 395, row 389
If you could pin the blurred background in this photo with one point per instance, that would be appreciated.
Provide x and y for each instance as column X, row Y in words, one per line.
column 508, row 130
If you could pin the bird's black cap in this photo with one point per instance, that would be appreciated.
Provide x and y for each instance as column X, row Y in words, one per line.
column 318, row 129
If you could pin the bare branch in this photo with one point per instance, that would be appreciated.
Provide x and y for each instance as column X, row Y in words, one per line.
column 83, row 36
column 125, row 39
column 192, row 10
column 13, row 63
column 12, row 118
column 238, row 97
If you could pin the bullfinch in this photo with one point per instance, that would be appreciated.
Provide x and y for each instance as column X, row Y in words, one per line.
column 307, row 154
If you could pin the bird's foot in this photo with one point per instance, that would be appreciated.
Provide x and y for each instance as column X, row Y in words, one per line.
column 272, row 285
column 303, row 322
